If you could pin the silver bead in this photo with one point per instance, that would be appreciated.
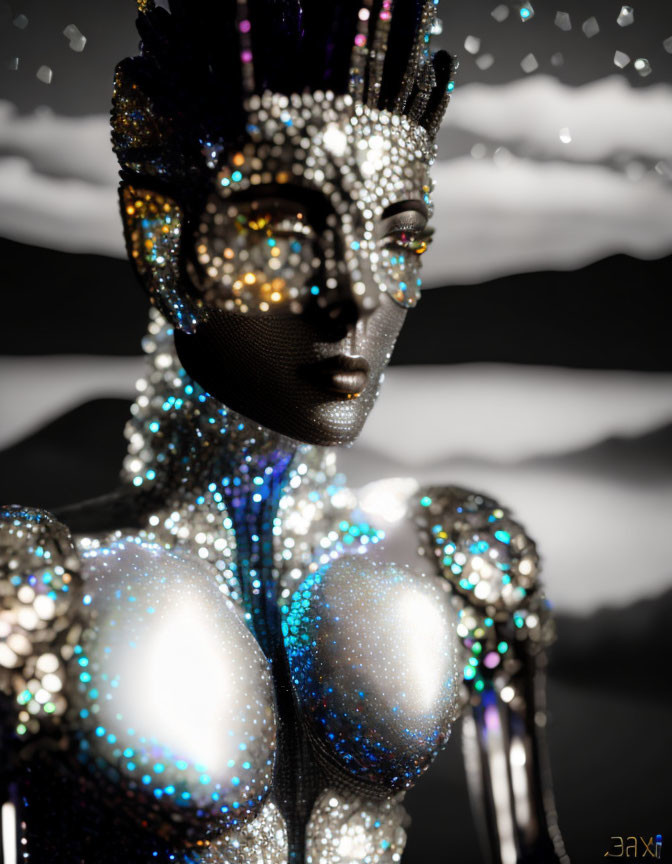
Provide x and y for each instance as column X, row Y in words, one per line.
column 346, row 828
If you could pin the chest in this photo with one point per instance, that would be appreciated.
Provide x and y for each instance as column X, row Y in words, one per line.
column 177, row 700
column 173, row 696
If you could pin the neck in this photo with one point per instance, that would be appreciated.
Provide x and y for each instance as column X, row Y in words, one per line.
column 219, row 481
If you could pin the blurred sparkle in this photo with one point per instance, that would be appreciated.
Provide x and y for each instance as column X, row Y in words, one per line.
column 502, row 156
column 500, row 13
column 76, row 38
column 21, row 21
column 529, row 63
column 643, row 66
column 667, row 44
column 565, row 135
column 13, row 64
column 526, row 12
column 557, row 59
column 485, row 61
column 472, row 44
column 563, row 21
column 621, row 59
column 626, row 16
column 661, row 168
column 436, row 28
column 590, row 27
column 479, row 151
column 45, row 74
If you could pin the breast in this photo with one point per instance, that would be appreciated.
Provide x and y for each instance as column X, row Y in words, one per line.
column 174, row 699
column 372, row 650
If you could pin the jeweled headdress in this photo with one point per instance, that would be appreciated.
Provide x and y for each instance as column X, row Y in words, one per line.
column 201, row 59
column 214, row 75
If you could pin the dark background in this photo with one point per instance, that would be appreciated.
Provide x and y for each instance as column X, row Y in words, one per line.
column 82, row 82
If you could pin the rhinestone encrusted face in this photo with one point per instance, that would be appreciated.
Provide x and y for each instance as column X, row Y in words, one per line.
column 209, row 114
column 361, row 160
column 260, row 245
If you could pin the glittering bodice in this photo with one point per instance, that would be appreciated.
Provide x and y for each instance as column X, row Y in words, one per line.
column 239, row 672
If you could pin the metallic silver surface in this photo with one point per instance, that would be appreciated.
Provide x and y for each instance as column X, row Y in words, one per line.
column 373, row 655
column 177, row 696
column 167, row 718
column 506, row 760
column 262, row 841
column 40, row 593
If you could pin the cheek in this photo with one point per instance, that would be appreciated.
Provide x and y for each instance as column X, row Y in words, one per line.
column 383, row 329
column 237, row 356
column 253, row 365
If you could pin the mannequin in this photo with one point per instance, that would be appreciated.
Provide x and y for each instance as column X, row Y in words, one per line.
column 231, row 659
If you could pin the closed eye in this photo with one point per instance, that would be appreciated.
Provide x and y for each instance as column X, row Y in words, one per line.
column 404, row 226
column 271, row 217
column 409, row 239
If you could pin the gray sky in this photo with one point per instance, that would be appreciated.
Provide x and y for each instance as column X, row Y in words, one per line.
column 82, row 82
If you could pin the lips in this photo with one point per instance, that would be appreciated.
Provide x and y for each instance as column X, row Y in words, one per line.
column 342, row 374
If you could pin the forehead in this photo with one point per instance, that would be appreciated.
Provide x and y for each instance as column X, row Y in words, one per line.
column 357, row 156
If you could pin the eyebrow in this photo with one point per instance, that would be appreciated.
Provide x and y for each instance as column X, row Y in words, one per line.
column 404, row 206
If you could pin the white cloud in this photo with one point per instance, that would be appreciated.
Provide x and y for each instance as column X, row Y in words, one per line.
column 40, row 389
column 605, row 117
column 72, row 147
column 492, row 220
column 71, row 215
column 505, row 413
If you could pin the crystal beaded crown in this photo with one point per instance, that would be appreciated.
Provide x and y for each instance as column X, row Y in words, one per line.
column 187, row 92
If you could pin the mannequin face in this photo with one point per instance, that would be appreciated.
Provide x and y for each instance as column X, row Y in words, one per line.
column 313, row 376
column 296, row 274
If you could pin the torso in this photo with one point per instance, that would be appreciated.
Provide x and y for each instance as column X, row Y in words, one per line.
column 190, row 743
column 249, row 664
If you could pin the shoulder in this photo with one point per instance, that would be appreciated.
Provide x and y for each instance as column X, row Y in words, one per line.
column 489, row 560
column 471, row 531
column 473, row 542
column 33, row 540
column 39, row 575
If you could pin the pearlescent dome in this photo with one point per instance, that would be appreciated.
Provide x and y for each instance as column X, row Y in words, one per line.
column 373, row 656
column 175, row 698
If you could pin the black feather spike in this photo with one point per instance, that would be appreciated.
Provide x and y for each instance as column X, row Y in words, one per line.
column 439, row 97
column 191, row 73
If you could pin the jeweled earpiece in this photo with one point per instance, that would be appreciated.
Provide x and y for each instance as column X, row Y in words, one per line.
column 153, row 226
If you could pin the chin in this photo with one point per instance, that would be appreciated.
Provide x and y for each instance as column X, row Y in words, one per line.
column 325, row 423
column 335, row 422
column 256, row 375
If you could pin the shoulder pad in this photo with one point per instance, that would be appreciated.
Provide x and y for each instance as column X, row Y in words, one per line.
column 492, row 567
column 39, row 586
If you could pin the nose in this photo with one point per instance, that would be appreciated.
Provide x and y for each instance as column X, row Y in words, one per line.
column 341, row 300
column 337, row 308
